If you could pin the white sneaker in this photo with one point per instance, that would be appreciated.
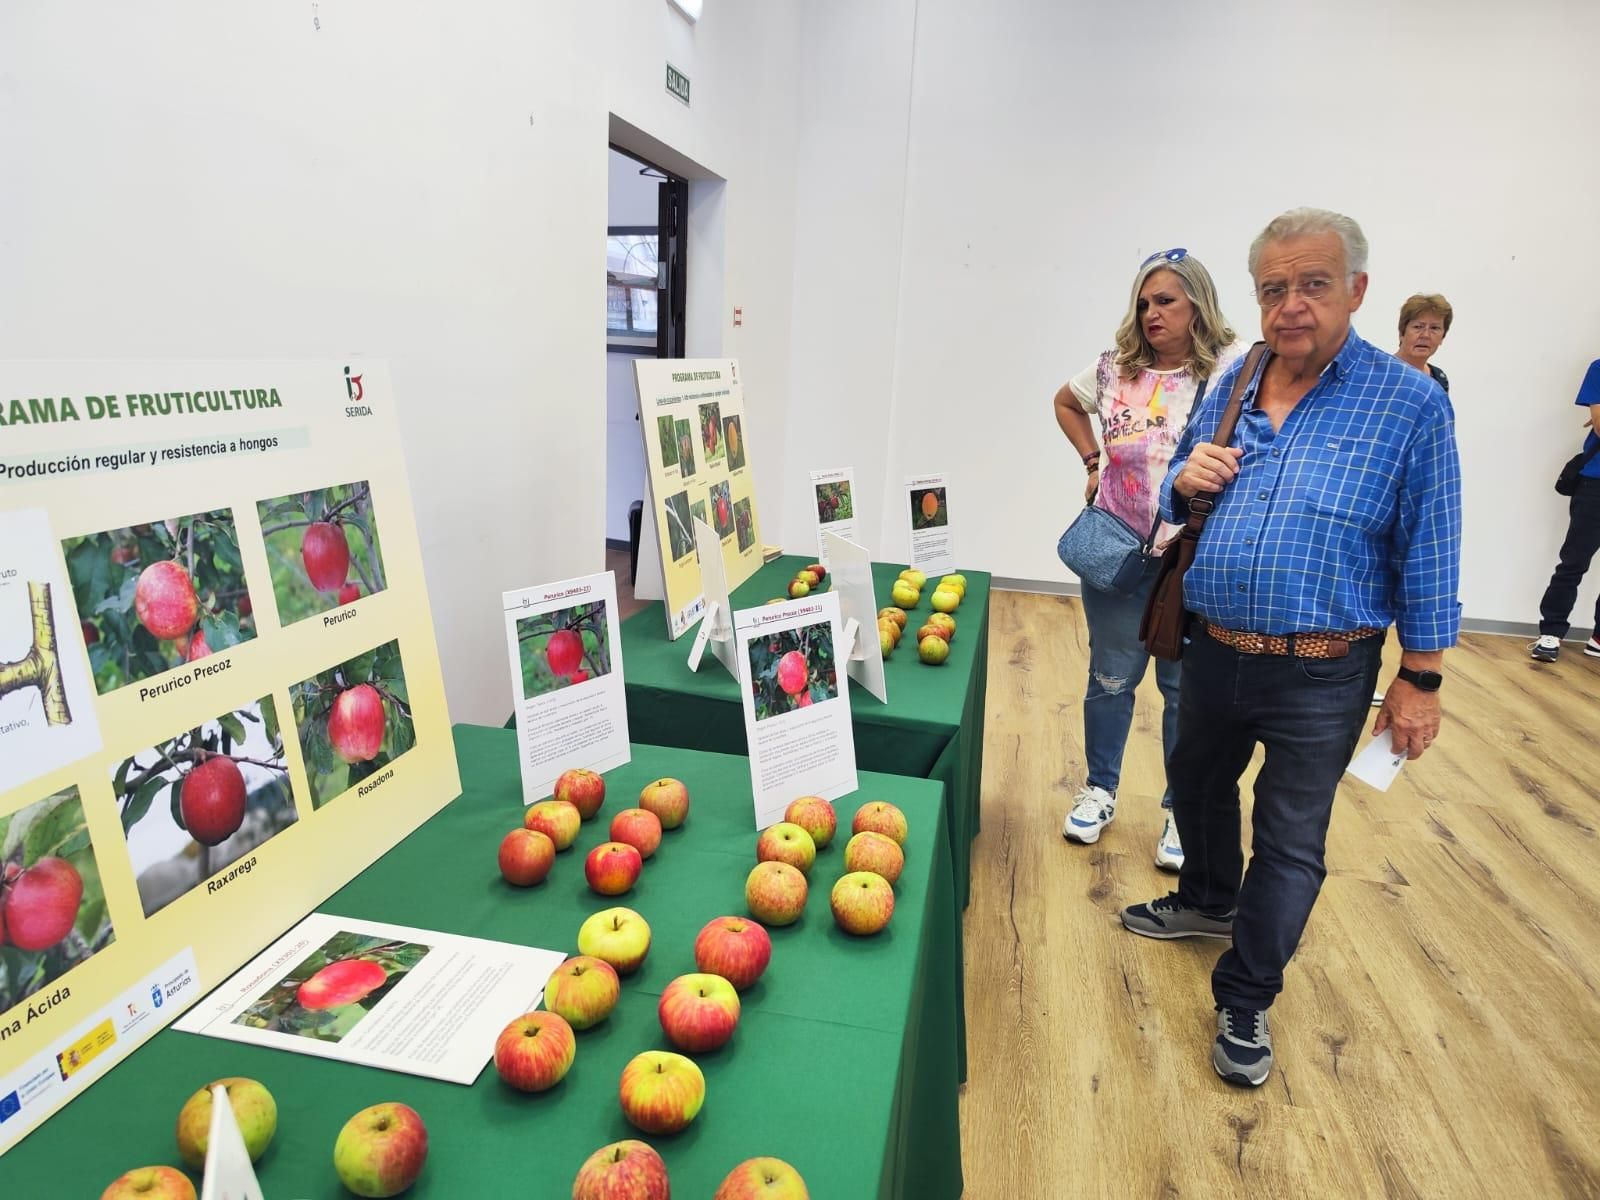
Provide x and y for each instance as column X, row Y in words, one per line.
column 1546, row 649
column 1592, row 647
column 1169, row 850
column 1092, row 810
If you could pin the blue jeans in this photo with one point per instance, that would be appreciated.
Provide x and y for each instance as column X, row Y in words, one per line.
column 1117, row 662
column 1308, row 714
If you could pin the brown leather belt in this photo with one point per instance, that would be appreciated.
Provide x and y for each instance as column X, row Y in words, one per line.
column 1296, row 645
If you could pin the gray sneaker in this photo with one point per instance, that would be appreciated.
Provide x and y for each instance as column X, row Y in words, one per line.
column 1242, row 1052
column 1167, row 918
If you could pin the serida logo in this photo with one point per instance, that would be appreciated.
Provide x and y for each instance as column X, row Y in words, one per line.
column 354, row 390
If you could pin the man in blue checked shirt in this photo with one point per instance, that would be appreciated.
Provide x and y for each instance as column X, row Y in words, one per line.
column 1339, row 514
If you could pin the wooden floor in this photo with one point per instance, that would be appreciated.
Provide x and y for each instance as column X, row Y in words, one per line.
column 617, row 560
column 1439, row 1032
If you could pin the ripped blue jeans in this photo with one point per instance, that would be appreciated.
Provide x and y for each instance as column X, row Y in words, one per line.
column 1117, row 662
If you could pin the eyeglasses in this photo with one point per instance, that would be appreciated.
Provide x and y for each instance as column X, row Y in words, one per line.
column 1270, row 295
column 1177, row 255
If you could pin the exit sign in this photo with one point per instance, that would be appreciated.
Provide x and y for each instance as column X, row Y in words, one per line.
column 678, row 84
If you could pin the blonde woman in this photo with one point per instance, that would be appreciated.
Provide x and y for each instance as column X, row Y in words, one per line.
column 1173, row 339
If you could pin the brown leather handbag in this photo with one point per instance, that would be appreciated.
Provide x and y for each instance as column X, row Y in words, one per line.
column 1165, row 622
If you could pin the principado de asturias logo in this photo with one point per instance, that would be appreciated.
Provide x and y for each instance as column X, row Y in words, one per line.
column 356, row 394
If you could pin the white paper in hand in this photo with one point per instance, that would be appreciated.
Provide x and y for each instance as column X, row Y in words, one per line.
column 1377, row 763
column 229, row 1175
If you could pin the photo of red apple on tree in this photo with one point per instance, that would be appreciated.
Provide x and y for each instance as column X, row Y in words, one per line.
column 833, row 502
column 721, row 509
column 744, row 523
column 323, row 549
column 201, row 800
column 733, row 436
column 155, row 596
column 793, row 669
column 52, row 910
column 353, row 721
column 711, row 433
column 561, row 648
column 331, row 990
column 928, row 509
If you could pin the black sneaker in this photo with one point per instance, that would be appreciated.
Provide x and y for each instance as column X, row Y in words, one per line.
column 1169, row 918
column 1592, row 647
column 1242, row 1052
column 1546, row 649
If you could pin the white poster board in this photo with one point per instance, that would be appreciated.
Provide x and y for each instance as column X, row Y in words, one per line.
column 852, row 583
column 833, row 499
column 288, row 996
column 927, row 507
column 796, row 703
column 716, row 626
column 565, row 642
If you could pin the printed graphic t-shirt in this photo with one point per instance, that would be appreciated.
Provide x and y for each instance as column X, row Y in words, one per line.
column 1141, row 420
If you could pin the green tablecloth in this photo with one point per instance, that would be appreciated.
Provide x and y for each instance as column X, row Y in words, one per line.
column 931, row 728
column 844, row 1063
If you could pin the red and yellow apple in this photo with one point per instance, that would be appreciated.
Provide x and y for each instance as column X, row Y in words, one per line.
column 668, row 799
column 535, row 1051
column 816, row 816
column 583, row 788
column 556, row 819
column 526, row 856
column 618, row 936
column 736, row 948
column 933, row 650
column 786, row 842
column 661, row 1092
column 879, row 816
column 776, row 893
column 699, row 1012
column 793, row 672
column 875, row 852
column 762, row 1179
column 862, row 902
column 584, row 990
column 627, row 1170
column 254, row 1109
column 945, row 600
column 355, row 726
column 381, row 1150
column 612, row 868
column 150, row 1183
column 164, row 600
column 339, row 983
column 639, row 828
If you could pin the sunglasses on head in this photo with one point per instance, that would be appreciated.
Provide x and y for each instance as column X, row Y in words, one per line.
column 1177, row 255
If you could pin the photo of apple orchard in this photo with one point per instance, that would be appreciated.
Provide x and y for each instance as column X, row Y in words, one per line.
column 561, row 648
column 353, row 720
column 159, row 594
column 53, row 912
column 792, row 669
column 198, row 802
column 331, row 990
column 322, row 548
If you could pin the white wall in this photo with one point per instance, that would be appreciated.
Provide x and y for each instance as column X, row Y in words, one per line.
column 421, row 182
column 1051, row 146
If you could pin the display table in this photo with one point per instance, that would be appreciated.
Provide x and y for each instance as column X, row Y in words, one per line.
column 931, row 728
column 844, row 1064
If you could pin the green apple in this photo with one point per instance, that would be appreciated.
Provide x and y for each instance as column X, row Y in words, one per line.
column 253, row 1108
column 618, row 936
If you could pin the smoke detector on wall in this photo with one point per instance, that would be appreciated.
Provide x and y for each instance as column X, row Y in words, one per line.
column 689, row 8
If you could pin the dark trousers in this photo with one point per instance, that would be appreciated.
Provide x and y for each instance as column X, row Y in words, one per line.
column 1577, row 552
column 1308, row 714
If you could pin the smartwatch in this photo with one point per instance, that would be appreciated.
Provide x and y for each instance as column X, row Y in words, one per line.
column 1423, row 681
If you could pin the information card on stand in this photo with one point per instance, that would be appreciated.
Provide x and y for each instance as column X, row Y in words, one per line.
column 565, row 641
column 409, row 1000
column 834, row 494
column 796, row 702
column 852, row 583
column 928, row 505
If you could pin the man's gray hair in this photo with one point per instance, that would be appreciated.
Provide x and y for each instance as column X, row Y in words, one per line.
column 1308, row 222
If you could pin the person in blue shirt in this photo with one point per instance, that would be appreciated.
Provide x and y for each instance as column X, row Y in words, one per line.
column 1339, row 514
column 1582, row 541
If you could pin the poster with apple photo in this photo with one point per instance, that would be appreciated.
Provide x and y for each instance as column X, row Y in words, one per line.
column 47, row 712
column 928, row 510
column 567, row 684
column 197, row 802
column 371, row 993
column 833, row 493
column 353, row 720
column 796, row 702
column 52, row 907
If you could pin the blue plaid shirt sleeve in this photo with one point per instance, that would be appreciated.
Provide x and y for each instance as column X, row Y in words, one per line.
column 1427, row 536
column 1207, row 416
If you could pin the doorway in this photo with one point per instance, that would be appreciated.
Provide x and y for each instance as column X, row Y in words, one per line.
column 646, row 282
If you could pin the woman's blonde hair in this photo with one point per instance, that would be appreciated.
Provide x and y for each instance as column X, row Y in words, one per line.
column 1208, row 332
